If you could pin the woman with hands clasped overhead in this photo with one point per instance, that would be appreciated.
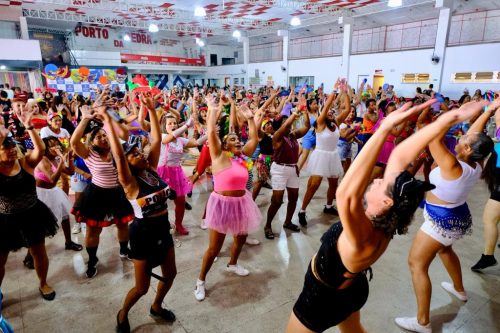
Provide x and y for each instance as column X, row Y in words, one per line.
column 230, row 208
column 335, row 287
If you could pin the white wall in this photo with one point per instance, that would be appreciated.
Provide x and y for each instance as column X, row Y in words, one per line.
column 268, row 70
column 219, row 73
column 223, row 52
column 8, row 30
column 19, row 49
column 324, row 70
column 470, row 58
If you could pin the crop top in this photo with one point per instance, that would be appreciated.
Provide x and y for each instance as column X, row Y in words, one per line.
column 232, row 178
column 42, row 176
column 152, row 197
column 455, row 191
column 329, row 266
column 17, row 193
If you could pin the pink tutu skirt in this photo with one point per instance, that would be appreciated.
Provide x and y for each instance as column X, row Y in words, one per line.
column 175, row 178
column 232, row 215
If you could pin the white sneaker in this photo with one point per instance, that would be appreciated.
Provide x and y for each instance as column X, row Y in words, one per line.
column 252, row 241
column 461, row 295
column 77, row 228
column 238, row 270
column 411, row 324
column 203, row 225
column 199, row 292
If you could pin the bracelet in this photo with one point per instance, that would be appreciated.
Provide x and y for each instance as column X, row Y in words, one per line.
column 30, row 128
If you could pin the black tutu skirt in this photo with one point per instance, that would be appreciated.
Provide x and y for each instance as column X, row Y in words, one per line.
column 26, row 228
column 101, row 207
column 150, row 239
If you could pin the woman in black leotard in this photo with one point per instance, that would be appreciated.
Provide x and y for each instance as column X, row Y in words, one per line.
column 335, row 288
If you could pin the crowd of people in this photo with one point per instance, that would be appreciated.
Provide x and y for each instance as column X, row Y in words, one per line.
column 121, row 155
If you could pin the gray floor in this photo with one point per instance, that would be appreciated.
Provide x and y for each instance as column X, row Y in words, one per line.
column 261, row 302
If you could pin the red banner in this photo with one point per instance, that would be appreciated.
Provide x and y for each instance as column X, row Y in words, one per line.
column 126, row 57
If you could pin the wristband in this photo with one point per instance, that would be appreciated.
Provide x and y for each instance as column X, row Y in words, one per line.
column 30, row 128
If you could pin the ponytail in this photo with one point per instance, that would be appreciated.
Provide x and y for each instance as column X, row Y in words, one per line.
column 490, row 173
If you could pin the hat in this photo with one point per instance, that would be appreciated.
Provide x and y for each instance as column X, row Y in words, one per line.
column 127, row 148
column 265, row 122
column 365, row 94
column 52, row 114
column 9, row 141
column 408, row 192
column 134, row 141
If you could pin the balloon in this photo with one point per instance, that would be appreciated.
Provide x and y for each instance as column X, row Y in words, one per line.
column 103, row 80
column 84, row 71
column 50, row 68
column 121, row 71
column 75, row 76
column 131, row 85
column 152, row 84
column 385, row 86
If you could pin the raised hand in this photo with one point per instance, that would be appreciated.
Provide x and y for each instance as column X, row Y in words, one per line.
column 59, row 108
column 465, row 112
column 4, row 132
column 87, row 112
column 246, row 112
column 398, row 116
column 147, row 100
column 25, row 116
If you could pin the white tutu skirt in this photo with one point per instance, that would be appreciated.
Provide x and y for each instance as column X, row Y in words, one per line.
column 57, row 201
column 325, row 164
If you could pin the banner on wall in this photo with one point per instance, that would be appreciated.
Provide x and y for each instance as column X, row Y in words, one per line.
column 126, row 57
column 87, row 84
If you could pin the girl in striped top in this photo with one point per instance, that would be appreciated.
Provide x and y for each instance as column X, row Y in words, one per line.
column 103, row 202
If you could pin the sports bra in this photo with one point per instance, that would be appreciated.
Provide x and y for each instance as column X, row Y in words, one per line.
column 455, row 191
column 42, row 176
column 232, row 178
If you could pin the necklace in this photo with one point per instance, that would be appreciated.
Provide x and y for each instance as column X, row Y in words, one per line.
column 150, row 179
column 242, row 159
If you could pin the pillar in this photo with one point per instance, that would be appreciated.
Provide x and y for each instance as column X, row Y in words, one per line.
column 23, row 25
column 443, row 31
column 346, row 23
column 246, row 59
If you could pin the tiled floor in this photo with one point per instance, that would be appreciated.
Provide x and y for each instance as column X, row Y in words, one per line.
column 259, row 303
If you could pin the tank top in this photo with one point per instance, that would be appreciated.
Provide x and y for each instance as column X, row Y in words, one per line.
column 288, row 152
column 232, row 178
column 104, row 174
column 266, row 145
column 326, row 140
column 455, row 191
column 17, row 193
column 171, row 153
column 152, row 197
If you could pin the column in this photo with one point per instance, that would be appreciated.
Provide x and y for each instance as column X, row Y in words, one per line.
column 246, row 59
column 443, row 31
column 284, row 61
column 346, row 23
column 23, row 25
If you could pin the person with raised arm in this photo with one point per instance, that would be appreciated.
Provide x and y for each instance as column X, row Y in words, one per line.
column 284, row 170
column 25, row 221
column 447, row 217
column 335, row 287
column 230, row 208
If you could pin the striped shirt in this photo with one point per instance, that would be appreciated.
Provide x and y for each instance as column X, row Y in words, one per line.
column 104, row 174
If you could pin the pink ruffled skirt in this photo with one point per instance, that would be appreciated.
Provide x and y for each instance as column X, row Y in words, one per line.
column 386, row 151
column 175, row 178
column 232, row 215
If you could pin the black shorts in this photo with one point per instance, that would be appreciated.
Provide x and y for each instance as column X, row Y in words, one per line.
column 495, row 195
column 150, row 239
column 320, row 307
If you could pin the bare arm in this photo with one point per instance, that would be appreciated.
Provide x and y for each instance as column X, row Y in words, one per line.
column 214, row 143
column 155, row 138
column 32, row 159
column 253, row 138
column 480, row 123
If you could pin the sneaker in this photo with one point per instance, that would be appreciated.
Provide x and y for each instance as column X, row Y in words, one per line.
column 331, row 211
column 252, row 241
column 238, row 270
column 73, row 246
column 199, row 292
column 91, row 269
column 302, row 219
column 203, row 225
column 187, row 206
column 77, row 228
column 28, row 262
column 411, row 324
column 164, row 314
column 485, row 261
column 125, row 254
column 461, row 295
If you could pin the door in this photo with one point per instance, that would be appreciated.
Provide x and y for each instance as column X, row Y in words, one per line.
column 378, row 81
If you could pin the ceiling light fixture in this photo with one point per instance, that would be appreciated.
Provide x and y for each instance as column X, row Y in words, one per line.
column 395, row 3
column 126, row 38
column 3, row 67
column 153, row 28
column 295, row 21
column 200, row 12
column 236, row 34
column 201, row 43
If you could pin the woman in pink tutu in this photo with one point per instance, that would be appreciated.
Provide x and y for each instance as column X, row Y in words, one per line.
column 230, row 208
column 169, row 167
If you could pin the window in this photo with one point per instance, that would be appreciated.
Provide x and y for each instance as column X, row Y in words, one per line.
column 213, row 60
column 242, row 80
column 484, row 76
column 228, row 61
column 236, row 81
column 415, row 78
column 298, row 81
column 479, row 77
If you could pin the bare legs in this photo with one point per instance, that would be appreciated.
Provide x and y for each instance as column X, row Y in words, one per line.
column 491, row 217
column 216, row 240
column 41, row 262
column 3, row 261
column 303, row 158
column 180, row 209
column 312, row 186
column 422, row 253
column 277, row 201
column 351, row 325
column 142, row 282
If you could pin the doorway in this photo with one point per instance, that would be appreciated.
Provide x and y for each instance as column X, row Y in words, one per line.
column 378, row 81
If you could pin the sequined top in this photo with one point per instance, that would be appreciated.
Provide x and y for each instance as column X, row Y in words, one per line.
column 17, row 193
